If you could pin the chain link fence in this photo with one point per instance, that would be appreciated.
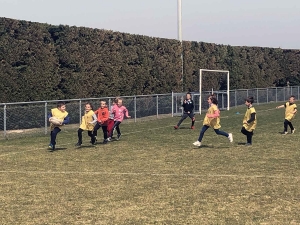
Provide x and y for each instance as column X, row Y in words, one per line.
column 32, row 117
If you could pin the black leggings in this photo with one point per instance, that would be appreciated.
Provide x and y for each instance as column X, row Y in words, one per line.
column 248, row 134
column 104, row 129
column 90, row 133
column 286, row 124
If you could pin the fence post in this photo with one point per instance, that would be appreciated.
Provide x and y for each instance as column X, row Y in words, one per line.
column 79, row 111
column 283, row 93
column 156, row 106
column 257, row 96
column 4, row 121
column 298, row 92
column 134, row 108
column 267, row 95
column 235, row 100
column 276, row 93
column 46, row 118
column 173, row 103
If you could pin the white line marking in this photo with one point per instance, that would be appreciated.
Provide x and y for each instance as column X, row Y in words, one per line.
column 152, row 174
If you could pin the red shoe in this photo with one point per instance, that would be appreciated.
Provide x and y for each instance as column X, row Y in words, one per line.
column 176, row 127
column 192, row 127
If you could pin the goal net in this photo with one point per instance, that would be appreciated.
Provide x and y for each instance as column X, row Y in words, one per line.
column 222, row 93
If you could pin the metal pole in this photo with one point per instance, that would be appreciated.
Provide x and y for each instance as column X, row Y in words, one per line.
column 156, row 106
column 200, row 91
column 172, row 103
column 4, row 121
column 46, row 118
column 228, row 92
column 180, row 39
column 134, row 108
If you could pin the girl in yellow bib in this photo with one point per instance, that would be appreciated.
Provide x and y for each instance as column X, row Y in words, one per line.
column 249, row 121
column 88, row 122
column 290, row 112
column 212, row 119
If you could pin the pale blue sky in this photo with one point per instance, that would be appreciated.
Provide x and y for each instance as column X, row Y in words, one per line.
column 265, row 23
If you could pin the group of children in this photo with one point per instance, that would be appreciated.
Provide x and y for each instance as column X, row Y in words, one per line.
column 212, row 118
column 108, row 120
column 111, row 120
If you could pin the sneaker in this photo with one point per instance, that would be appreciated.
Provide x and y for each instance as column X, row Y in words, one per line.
column 230, row 137
column 293, row 131
column 248, row 144
column 118, row 136
column 109, row 139
column 78, row 144
column 284, row 133
column 104, row 141
column 197, row 143
column 176, row 127
column 51, row 147
column 192, row 127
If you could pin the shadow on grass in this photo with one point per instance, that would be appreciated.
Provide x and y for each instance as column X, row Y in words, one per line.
column 241, row 143
column 211, row 146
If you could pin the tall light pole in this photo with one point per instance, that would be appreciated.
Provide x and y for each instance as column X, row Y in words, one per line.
column 180, row 38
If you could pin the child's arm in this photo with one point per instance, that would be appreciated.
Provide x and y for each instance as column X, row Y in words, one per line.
column 126, row 113
column 66, row 120
column 214, row 115
column 252, row 118
column 280, row 106
column 94, row 119
column 105, row 116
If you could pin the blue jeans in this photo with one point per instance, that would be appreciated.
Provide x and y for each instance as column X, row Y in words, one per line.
column 218, row 132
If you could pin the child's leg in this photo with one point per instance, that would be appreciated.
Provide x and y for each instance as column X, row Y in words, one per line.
column 223, row 133
column 244, row 131
column 192, row 116
column 291, row 125
column 96, row 128
column 203, row 130
column 249, row 137
column 53, row 134
column 117, row 124
column 90, row 133
column 183, row 117
column 285, row 125
column 104, row 129
column 79, row 135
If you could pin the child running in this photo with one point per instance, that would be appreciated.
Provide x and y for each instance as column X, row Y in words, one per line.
column 102, row 118
column 60, row 113
column 212, row 119
column 249, row 121
column 188, row 108
column 290, row 112
column 87, row 123
column 118, row 110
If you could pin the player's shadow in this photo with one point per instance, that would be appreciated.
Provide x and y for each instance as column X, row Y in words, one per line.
column 58, row 149
column 185, row 128
column 85, row 146
column 211, row 146
column 241, row 143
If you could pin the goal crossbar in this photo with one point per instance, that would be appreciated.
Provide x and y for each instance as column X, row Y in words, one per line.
column 200, row 86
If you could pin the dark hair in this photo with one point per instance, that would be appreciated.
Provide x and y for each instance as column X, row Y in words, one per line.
column 213, row 99
column 88, row 103
column 293, row 96
column 250, row 99
column 60, row 104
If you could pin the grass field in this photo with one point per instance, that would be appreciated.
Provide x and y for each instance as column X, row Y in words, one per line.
column 154, row 175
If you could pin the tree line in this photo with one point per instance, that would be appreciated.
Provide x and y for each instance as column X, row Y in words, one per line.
column 44, row 62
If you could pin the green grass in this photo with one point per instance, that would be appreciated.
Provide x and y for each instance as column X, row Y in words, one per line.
column 154, row 175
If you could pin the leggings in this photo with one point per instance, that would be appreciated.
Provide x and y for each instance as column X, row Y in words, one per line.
column 286, row 124
column 218, row 132
column 248, row 134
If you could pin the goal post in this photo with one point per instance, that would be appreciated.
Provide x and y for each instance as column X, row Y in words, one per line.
column 200, row 86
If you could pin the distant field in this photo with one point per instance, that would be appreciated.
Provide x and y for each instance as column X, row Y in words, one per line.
column 154, row 175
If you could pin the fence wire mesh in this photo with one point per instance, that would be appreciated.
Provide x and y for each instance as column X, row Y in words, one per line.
column 31, row 117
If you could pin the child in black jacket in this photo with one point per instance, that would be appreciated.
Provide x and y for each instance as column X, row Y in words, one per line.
column 188, row 108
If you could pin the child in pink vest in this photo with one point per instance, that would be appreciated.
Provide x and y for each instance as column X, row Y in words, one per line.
column 118, row 111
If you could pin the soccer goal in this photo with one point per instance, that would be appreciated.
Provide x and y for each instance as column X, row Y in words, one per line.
column 200, row 86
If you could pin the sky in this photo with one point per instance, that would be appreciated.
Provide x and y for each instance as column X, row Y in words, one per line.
column 264, row 23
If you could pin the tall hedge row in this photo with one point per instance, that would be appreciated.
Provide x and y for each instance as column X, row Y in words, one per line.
column 44, row 62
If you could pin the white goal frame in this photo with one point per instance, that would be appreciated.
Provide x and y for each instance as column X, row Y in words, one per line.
column 200, row 86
